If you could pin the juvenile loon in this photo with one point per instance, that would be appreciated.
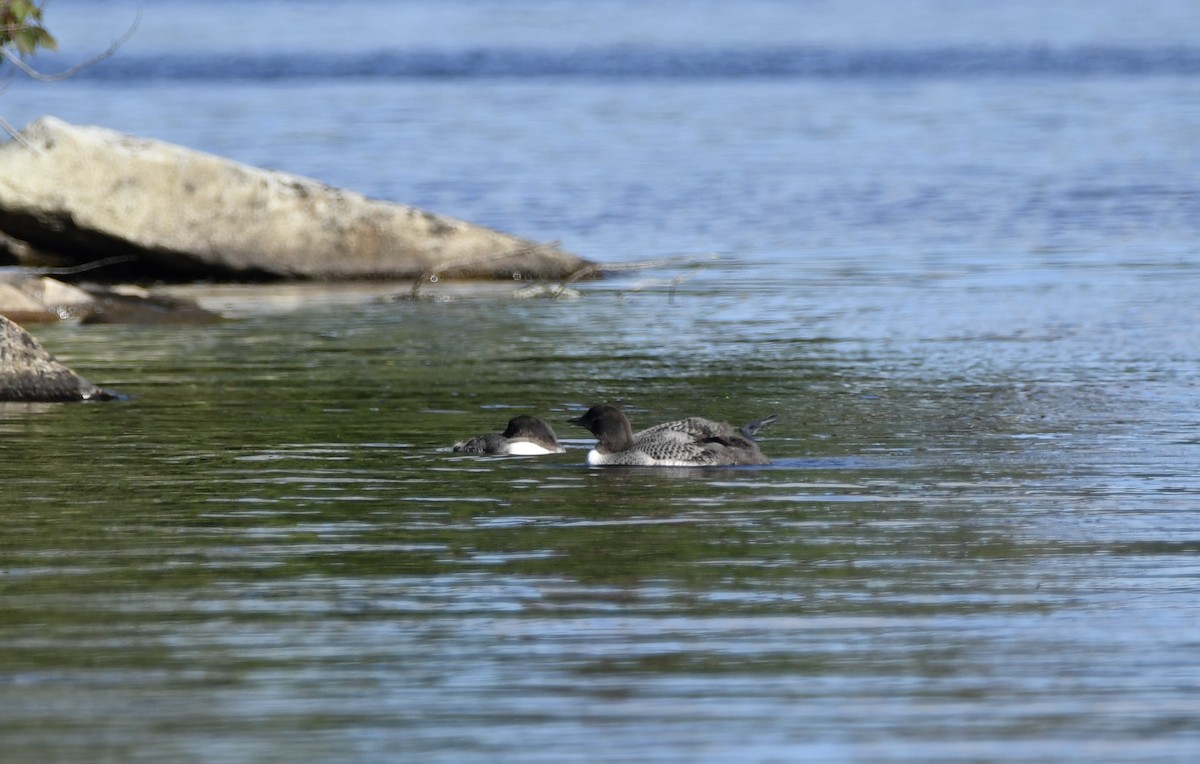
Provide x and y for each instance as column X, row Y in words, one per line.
column 691, row 442
column 526, row 436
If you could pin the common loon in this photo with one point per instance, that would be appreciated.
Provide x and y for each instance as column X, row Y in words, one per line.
column 691, row 442
column 526, row 436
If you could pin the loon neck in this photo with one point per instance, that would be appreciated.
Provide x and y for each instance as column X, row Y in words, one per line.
column 614, row 435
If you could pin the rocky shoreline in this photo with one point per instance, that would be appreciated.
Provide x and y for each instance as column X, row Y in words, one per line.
column 29, row 373
column 90, row 216
column 74, row 195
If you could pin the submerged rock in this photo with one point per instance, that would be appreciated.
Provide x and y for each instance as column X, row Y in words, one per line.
column 29, row 297
column 55, row 295
column 29, row 373
column 142, row 307
column 19, row 306
column 80, row 193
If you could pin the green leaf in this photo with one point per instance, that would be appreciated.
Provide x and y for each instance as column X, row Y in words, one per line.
column 26, row 40
column 20, row 27
column 45, row 39
column 24, row 10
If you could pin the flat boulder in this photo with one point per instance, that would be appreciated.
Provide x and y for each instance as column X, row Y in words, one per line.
column 29, row 373
column 81, row 194
column 28, row 297
column 19, row 306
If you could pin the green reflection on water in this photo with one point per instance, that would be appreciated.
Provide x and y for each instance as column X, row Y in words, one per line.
column 274, row 516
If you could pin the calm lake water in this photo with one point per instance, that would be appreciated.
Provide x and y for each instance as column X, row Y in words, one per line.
column 954, row 246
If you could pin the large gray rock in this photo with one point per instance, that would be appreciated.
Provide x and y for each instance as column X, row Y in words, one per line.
column 29, row 373
column 85, row 193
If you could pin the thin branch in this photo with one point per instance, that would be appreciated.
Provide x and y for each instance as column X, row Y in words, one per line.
column 16, row 60
column 663, row 262
column 593, row 269
column 84, row 267
column 15, row 134
column 433, row 274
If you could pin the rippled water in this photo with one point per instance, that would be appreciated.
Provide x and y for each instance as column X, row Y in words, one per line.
column 971, row 297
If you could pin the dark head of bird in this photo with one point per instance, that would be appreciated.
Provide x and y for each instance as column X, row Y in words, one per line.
column 610, row 426
column 531, row 427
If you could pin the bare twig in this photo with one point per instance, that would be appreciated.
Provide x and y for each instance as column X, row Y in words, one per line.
column 434, row 273
column 597, row 268
column 17, row 62
column 663, row 262
column 83, row 267
column 16, row 135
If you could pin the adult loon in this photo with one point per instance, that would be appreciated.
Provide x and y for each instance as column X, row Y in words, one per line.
column 526, row 436
column 691, row 442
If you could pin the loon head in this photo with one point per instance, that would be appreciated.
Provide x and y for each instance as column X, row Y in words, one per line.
column 531, row 428
column 610, row 426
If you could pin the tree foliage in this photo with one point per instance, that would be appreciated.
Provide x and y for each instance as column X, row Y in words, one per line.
column 21, row 28
column 22, row 33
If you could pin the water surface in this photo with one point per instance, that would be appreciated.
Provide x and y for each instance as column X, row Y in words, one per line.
column 969, row 294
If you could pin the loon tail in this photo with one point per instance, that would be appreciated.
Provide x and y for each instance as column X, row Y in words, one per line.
column 748, row 430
